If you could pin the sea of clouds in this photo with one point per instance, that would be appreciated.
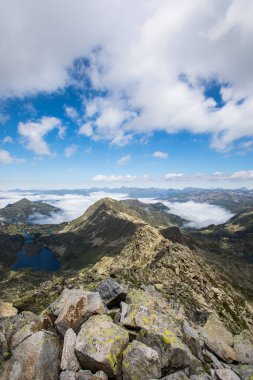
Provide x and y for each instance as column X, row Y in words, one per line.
column 73, row 205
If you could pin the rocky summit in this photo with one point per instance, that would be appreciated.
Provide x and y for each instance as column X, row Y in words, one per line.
column 136, row 299
column 124, row 332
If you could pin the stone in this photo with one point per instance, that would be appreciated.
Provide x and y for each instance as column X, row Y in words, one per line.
column 37, row 357
column 123, row 311
column 180, row 375
column 67, row 375
column 84, row 375
column 7, row 310
column 100, row 344
column 68, row 359
column 140, row 362
column 226, row 374
column 100, row 375
column 192, row 340
column 201, row 376
column 245, row 372
column 243, row 347
column 74, row 307
column 218, row 339
column 210, row 358
column 3, row 347
column 111, row 292
column 172, row 351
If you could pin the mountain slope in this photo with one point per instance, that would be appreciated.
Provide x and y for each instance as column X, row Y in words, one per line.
column 23, row 210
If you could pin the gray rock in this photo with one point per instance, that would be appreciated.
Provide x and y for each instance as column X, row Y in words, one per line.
column 211, row 358
column 245, row 372
column 171, row 350
column 226, row 374
column 111, row 292
column 67, row 375
column 3, row 347
column 243, row 347
column 201, row 376
column 180, row 375
column 140, row 362
column 68, row 359
column 99, row 345
column 37, row 357
column 74, row 307
column 100, row 375
column 84, row 375
column 192, row 340
column 123, row 311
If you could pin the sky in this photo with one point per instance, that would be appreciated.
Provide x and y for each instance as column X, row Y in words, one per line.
column 126, row 93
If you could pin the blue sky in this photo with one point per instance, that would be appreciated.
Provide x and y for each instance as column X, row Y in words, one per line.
column 109, row 98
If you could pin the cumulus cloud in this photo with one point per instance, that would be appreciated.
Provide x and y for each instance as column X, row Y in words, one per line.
column 124, row 160
column 33, row 134
column 159, row 154
column 7, row 158
column 153, row 74
column 70, row 150
column 86, row 130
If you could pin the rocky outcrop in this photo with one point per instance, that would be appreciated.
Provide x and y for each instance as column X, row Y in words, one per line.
column 74, row 307
column 145, row 337
column 111, row 292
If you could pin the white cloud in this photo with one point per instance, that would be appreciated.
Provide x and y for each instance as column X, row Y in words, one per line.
column 34, row 133
column 199, row 214
column 71, row 112
column 124, row 160
column 170, row 176
column 159, row 154
column 217, row 176
column 86, row 130
column 114, row 178
column 70, row 150
column 8, row 140
column 191, row 44
column 7, row 158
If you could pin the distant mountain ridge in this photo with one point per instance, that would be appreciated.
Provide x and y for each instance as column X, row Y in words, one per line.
column 23, row 210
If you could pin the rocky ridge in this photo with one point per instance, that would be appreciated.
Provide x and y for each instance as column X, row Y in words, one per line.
column 120, row 332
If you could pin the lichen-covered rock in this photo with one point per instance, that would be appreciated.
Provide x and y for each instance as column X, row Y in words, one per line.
column 37, row 357
column 140, row 362
column 111, row 292
column 100, row 343
column 219, row 340
column 68, row 375
column 201, row 376
column 74, row 307
column 100, row 375
column 226, row 374
column 68, row 359
column 172, row 351
column 138, row 317
column 243, row 347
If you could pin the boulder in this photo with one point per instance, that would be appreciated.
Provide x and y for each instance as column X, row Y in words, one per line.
column 192, row 340
column 211, row 358
column 243, row 347
column 111, row 292
column 67, row 375
column 226, row 374
column 218, row 339
column 37, row 357
column 201, row 376
column 100, row 375
column 140, row 362
column 172, row 351
column 68, row 359
column 99, row 345
column 74, row 307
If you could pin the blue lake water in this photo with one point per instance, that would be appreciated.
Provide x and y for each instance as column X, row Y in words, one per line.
column 43, row 260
